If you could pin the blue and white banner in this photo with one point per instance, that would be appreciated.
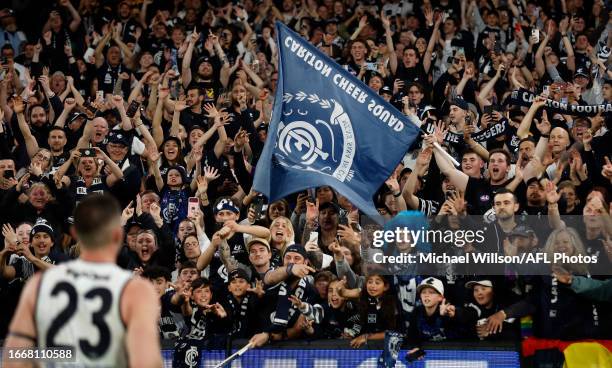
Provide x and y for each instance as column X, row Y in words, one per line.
column 328, row 128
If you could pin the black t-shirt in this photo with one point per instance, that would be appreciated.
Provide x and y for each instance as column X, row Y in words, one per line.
column 108, row 75
column 189, row 119
column 479, row 195
column 409, row 75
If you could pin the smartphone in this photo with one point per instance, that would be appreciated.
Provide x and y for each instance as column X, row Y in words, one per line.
column 449, row 194
column 343, row 221
column 84, row 151
column 8, row 174
column 193, row 205
column 488, row 109
column 131, row 110
column 415, row 355
column 257, row 205
column 546, row 91
column 100, row 95
column 313, row 237
column 312, row 195
column 372, row 66
column 468, row 119
column 535, row 33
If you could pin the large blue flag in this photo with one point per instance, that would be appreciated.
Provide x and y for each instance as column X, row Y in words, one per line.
column 328, row 128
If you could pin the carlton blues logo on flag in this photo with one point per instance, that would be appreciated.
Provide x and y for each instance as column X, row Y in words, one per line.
column 316, row 134
column 328, row 128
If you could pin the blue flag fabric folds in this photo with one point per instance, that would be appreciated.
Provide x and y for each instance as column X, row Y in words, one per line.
column 328, row 128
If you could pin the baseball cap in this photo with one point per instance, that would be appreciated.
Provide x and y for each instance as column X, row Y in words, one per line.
column 581, row 72
column 118, row 137
column 471, row 284
column 433, row 283
column 225, row 203
column 460, row 103
column 261, row 241
column 297, row 248
column 238, row 273
column 386, row 90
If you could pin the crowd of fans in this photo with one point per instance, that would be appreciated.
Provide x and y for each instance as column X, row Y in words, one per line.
column 166, row 106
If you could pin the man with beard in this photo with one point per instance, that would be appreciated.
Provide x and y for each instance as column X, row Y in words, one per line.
column 193, row 114
column 29, row 136
column 205, row 77
column 505, row 205
column 479, row 191
column 293, row 282
column 57, row 141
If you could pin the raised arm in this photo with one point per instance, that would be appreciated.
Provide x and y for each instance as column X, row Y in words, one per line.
column 525, row 126
column 76, row 18
column 186, row 65
column 420, row 168
column 100, row 47
column 69, row 105
column 115, row 171
column 457, row 177
column 540, row 67
column 159, row 181
column 435, row 36
column 30, row 141
column 178, row 107
column 125, row 50
column 390, row 46
column 158, row 132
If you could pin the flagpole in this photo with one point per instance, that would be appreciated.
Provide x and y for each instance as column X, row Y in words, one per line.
column 234, row 356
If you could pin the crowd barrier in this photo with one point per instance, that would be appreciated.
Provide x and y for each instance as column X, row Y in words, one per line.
column 337, row 354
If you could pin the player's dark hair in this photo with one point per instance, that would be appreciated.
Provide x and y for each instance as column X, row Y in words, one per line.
column 92, row 218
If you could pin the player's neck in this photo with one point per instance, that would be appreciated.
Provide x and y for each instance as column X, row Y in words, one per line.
column 99, row 255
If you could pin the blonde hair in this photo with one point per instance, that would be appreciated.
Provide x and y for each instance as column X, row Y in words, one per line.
column 290, row 239
column 577, row 245
column 44, row 187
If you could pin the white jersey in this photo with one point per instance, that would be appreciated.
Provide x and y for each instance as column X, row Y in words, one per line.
column 78, row 305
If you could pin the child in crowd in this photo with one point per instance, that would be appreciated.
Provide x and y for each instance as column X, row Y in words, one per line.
column 436, row 320
column 377, row 309
column 160, row 277
column 241, row 304
column 204, row 319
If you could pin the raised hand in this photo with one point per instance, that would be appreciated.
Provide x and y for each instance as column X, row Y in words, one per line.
column 552, row 196
column 312, row 211
column 211, row 110
column 296, row 302
column 127, row 213
column 10, row 236
column 180, row 105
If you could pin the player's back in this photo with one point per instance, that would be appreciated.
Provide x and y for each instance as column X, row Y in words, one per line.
column 78, row 306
